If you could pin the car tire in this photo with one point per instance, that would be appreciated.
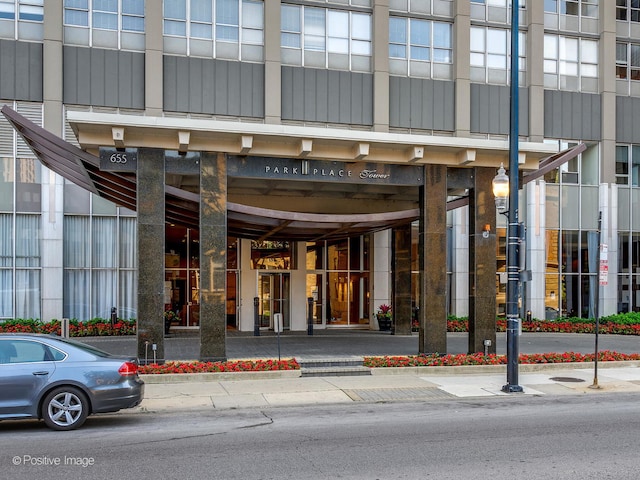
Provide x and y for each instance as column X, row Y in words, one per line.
column 65, row 408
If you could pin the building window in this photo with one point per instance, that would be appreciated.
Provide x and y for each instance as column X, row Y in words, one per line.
column 438, row 8
column 628, row 268
column 273, row 255
column 628, row 10
column 628, row 61
column 105, row 23
column 106, row 15
column 628, row 68
column 572, row 15
column 491, row 55
column 582, row 169
column 230, row 29
column 325, row 38
column 495, row 10
column 420, row 47
column 99, row 257
column 628, row 165
column 570, row 63
column 21, row 19
column 585, row 8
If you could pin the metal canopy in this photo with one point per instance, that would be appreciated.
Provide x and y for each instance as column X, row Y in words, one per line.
column 182, row 206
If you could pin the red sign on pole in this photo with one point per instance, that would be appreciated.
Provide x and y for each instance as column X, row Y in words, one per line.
column 604, row 265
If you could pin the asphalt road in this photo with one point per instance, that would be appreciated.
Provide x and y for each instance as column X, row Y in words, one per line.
column 499, row 438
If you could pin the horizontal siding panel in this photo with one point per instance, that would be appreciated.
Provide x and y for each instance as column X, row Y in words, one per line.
column 421, row 103
column 21, row 71
column 104, row 78
column 572, row 115
column 327, row 96
column 491, row 109
column 214, row 87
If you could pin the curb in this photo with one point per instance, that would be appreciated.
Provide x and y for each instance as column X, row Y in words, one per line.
column 437, row 370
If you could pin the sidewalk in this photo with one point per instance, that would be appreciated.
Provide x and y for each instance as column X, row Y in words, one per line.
column 287, row 388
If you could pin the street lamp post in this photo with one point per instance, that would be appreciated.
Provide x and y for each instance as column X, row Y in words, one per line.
column 513, row 227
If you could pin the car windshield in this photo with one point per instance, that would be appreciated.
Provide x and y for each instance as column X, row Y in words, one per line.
column 87, row 348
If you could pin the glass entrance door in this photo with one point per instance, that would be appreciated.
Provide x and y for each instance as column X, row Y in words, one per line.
column 274, row 294
column 315, row 286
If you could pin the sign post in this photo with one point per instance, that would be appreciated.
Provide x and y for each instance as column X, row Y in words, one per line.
column 603, row 273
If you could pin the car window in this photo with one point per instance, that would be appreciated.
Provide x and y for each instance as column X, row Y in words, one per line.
column 87, row 348
column 23, row 351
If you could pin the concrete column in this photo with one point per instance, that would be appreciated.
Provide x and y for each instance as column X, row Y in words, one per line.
column 272, row 64
column 609, row 236
column 461, row 41
column 401, row 278
column 607, row 74
column 52, row 66
column 536, row 248
column 153, row 69
column 381, row 65
column 213, row 256
column 432, row 258
column 535, row 70
column 52, row 184
column 151, row 219
column 381, row 271
column 460, row 272
column 482, row 262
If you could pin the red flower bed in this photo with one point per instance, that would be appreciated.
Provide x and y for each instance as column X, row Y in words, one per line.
column 493, row 359
column 231, row 366
column 90, row 328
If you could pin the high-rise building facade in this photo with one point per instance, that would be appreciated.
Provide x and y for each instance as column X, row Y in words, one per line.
column 388, row 82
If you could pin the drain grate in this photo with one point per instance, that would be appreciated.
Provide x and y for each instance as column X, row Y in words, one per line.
column 388, row 394
column 567, row 379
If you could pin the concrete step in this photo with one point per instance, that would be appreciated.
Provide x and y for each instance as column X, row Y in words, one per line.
column 332, row 367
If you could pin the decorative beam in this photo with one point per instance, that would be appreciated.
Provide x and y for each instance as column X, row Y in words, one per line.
column 306, row 145
column 117, row 133
column 467, row 156
column 183, row 140
column 246, row 143
column 360, row 150
column 415, row 153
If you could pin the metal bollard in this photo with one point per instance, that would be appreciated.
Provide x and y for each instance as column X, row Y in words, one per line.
column 64, row 328
column 256, row 317
column 310, row 316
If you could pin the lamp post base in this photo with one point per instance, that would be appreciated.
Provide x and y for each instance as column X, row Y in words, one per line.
column 512, row 388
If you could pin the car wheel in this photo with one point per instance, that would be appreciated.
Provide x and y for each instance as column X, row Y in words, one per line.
column 65, row 408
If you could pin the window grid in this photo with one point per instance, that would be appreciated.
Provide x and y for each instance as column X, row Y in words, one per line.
column 490, row 50
column 418, row 40
column 327, row 31
column 117, row 15
column 123, row 17
column 239, row 22
column 495, row 10
column 628, row 10
column 570, row 58
column 28, row 14
column 628, row 165
column 577, row 8
column 628, row 61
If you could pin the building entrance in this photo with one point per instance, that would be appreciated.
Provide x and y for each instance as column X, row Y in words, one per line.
column 274, row 297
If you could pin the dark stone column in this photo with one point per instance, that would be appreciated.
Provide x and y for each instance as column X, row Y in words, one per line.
column 151, row 219
column 482, row 262
column 213, row 256
column 432, row 257
column 401, row 280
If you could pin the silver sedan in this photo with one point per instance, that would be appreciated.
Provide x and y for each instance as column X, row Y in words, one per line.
column 63, row 381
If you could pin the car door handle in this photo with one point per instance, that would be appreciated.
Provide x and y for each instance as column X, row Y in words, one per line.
column 42, row 372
